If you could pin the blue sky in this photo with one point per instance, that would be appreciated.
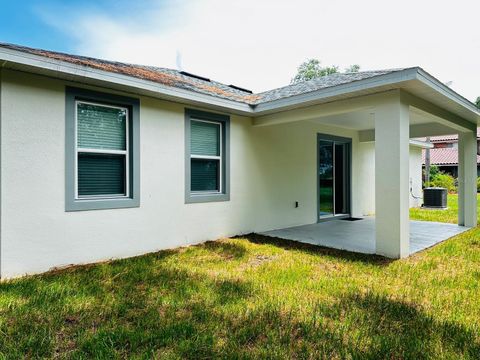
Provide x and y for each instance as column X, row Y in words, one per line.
column 30, row 22
column 20, row 23
column 258, row 44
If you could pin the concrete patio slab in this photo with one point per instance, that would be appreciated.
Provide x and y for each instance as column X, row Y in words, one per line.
column 359, row 236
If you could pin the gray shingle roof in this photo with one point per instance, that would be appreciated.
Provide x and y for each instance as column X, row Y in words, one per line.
column 177, row 79
column 318, row 84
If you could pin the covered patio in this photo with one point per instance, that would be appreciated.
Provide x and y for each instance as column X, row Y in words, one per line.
column 359, row 235
column 378, row 128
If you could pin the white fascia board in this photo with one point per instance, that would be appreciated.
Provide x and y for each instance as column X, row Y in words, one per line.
column 443, row 89
column 421, row 144
column 343, row 89
column 87, row 73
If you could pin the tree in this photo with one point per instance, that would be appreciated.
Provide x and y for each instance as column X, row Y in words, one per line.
column 353, row 68
column 312, row 69
column 477, row 102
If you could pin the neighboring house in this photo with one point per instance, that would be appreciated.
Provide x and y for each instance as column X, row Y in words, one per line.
column 445, row 153
column 104, row 160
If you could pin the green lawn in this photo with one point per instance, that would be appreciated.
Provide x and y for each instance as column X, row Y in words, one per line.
column 252, row 297
column 449, row 215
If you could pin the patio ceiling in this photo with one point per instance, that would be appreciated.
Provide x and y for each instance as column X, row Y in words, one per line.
column 365, row 120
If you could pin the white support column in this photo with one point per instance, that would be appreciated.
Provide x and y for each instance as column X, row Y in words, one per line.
column 467, row 178
column 392, row 233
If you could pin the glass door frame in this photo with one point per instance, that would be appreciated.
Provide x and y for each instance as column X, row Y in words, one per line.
column 347, row 175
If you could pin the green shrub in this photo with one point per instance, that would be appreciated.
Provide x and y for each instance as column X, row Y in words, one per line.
column 434, row 171
column 443, row 180
column 478, row 184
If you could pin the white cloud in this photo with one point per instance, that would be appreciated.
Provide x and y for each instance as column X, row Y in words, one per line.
column 258, row 44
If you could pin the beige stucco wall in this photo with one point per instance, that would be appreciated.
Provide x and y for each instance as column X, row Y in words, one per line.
column 367, row 192
column 36, row 231
column 367, row 176
column 271, row 168
column 416, row 193
column 286, row 156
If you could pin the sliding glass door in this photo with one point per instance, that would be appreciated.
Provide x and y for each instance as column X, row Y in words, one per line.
column 325, row 178
column 333, row 176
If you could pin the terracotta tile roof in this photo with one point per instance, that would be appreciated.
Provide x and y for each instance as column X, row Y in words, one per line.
column 449, row 138
column 177, row 79
column 444, row 156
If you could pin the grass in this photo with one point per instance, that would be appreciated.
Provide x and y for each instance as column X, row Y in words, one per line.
column 252, row 297
column 449, row 215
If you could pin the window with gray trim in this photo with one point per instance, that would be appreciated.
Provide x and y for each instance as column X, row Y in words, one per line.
column 207, row 156
column 102, row 151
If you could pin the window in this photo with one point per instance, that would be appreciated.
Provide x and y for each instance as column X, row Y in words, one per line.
column 207, row 156
column 102, row 151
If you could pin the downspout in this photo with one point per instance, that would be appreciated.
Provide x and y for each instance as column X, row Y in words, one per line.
column 427, row 163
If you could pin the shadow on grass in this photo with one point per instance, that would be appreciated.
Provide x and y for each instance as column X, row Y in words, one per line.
column 227, row 250
column 367, row 326
column 311, row 249
column 401, row 330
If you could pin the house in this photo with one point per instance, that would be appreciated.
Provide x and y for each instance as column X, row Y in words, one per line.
column 445, row 153
column 102, row 159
